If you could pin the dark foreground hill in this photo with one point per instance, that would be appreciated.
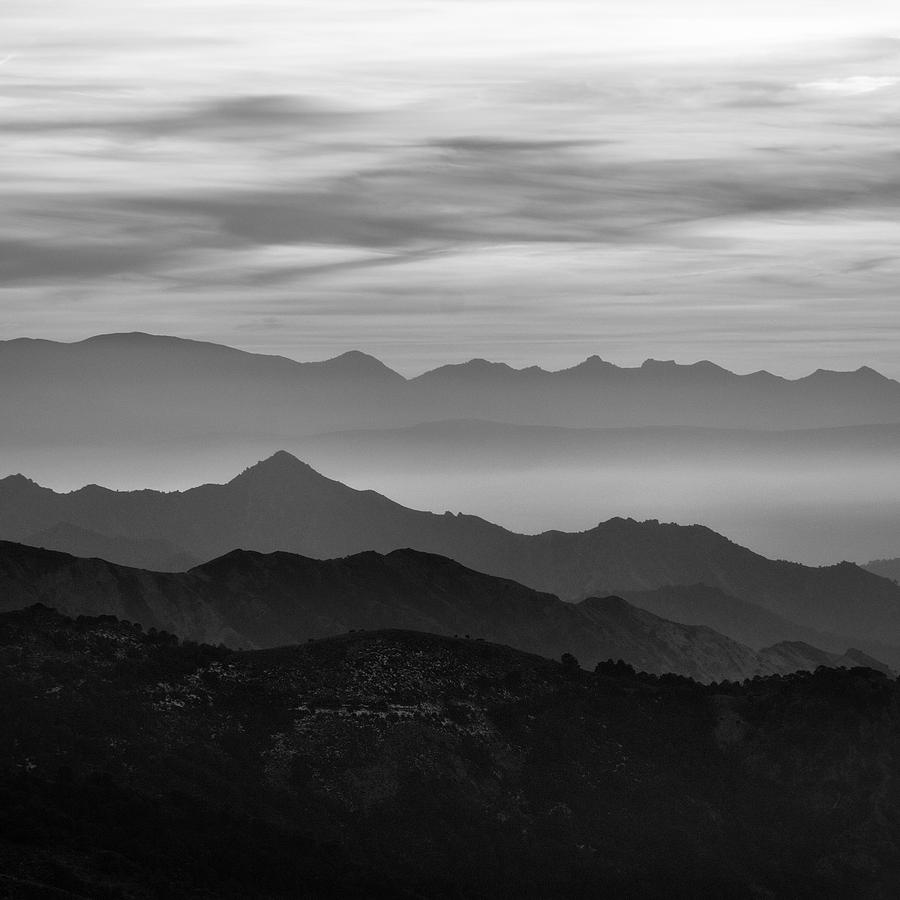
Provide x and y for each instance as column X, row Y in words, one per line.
column 247, row 599
column 283, row 504
column 400, row 764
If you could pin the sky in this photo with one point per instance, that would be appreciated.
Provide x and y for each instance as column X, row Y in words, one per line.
column 431, row 181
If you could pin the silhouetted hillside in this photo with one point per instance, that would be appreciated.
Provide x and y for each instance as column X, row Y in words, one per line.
column 283, row 504
column 248, row 599
column 400, row 764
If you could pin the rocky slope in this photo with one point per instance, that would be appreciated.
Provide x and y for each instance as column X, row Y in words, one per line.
column 400, row 764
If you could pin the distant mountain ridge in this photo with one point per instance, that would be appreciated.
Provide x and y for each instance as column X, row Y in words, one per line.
column 283, row 504
column 138, row 386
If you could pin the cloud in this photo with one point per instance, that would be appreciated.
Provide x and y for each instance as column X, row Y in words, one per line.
column 853, row 84
column 22, row 261
column 554, row 196
column 511, row 145
column 755, row 93
column 250, row 118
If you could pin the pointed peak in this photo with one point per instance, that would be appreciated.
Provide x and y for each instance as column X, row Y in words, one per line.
column 280, row 459
column 868, row 372
column 593, row 363
column 278, row 468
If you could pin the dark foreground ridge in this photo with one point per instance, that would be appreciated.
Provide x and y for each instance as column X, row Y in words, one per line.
column 401, row 764
column 254, row 600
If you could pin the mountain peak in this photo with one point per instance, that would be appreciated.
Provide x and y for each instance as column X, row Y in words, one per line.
column 20, row 482
column 358, row 364
column 280, row 465
column 870, row 373
column 473, row 368
column 593, row 363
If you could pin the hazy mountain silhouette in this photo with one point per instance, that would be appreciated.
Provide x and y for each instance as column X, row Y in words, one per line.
column 748, row 623
column 812, row 495
column 283, row 504
column 886, row 568
column 249, row 599
column 401, row 764
column 141, row 554
column 596, row 393
column 146, row 387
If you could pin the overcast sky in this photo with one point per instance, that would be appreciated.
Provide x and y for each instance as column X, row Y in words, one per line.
column 435, row 180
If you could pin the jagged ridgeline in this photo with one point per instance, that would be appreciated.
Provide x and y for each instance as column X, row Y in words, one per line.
column 397, row 763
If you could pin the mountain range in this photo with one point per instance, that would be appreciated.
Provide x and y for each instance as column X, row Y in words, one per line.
column 396, row 764
column 804, row 469
column 283, row 504
column 152, row 388
column 247, row 599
